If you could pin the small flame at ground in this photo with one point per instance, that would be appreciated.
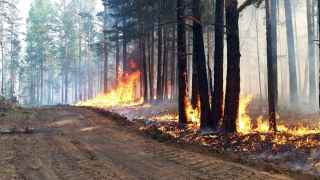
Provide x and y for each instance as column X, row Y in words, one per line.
column 244, row 122
column 262, row 125
column 124, row 94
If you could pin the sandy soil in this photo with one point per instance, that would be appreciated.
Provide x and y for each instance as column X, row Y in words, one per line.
column 76, row 143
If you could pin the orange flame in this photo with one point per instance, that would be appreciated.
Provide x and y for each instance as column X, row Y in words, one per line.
column 193, row 114
column 124, row 94
column 245, row 126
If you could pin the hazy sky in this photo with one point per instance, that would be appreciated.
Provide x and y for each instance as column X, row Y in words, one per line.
column 24, row 6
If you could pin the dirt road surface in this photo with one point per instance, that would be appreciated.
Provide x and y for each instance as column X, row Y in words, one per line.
column 79, row 144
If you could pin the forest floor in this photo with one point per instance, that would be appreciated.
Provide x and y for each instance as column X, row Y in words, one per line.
column 65, row 143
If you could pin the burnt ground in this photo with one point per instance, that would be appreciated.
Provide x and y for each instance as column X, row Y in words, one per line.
column 69, row 143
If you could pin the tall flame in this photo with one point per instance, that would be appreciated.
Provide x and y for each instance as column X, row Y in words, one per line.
column 244, row 120
column 193, row 114
column 124, row 94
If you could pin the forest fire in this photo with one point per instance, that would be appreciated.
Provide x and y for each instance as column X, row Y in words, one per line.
column 123, row 94
column 245, row 124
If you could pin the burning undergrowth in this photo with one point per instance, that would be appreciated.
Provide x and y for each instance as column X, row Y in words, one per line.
column 123, row 94
column 296, row 147
column 287, row 151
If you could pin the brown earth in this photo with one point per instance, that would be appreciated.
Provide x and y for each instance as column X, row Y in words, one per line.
column 76, row 143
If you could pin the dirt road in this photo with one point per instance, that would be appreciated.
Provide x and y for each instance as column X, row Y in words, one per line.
column 74, row 143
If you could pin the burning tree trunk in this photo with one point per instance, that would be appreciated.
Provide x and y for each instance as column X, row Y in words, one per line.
column 182, row 63
column 291, row 52
column 200, row 64
column 311, row 51
column 233, row 70
column 272, row 61
column 217, row 97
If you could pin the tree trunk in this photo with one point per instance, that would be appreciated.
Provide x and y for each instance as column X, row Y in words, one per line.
column 173, row 66
column 233, row 70
column 291, row 53
column 105, row 51
column 195, row 98
column 159, row 71
column 124, row 53
column 319, row 46
column 182, row 63
column 117, row 57
column 150, row 63
column 311, row 51
column 271, row 7
column 217, row 97
column 201, row 67
column 165, row 65
column 144, row 67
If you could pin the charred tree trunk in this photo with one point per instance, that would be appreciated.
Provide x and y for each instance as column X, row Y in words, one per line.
column 165, row 65
column 209, row 61
column 159, row 71
column 217, row 97
column 173, row 66
column 291, row 53
column 150, row 61
column 182, row 63
column 144, row 67
column 200, row 65
column 271, row 7
column 195, row 98
column 233, row 70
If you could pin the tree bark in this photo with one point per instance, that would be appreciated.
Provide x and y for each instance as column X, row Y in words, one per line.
column 117, row 57
column 233, row 70
column 195, row 98
column 293, row 84
column 159, row 65
column 311, row 51
column 182, row 63
column 271, row 7
column 151, row 60
column 319, row 46
column 124, row 51
column 217, row 97
column 164, row 79
column 144, row 67
column 105, row 51
column 200, row 67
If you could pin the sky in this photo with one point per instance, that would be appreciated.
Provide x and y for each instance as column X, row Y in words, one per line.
column 24, row 7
